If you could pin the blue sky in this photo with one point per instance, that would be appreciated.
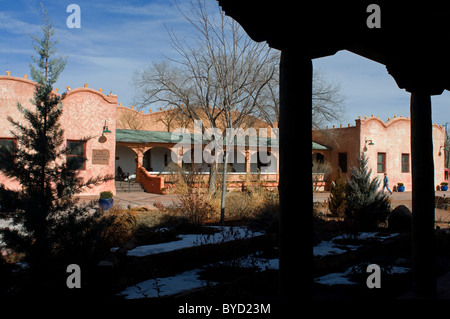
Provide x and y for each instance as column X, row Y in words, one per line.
column 117, row 38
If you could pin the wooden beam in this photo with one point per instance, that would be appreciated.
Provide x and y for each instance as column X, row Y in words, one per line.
column 422, row 168
column 295, row 186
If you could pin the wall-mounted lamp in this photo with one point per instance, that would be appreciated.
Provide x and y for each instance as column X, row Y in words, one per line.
column 105, row 128
column 445, row 149
column 365, row 144
column 103, row 139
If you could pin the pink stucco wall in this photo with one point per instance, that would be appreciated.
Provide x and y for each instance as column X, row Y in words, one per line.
column 392, row 137
column 84, row 113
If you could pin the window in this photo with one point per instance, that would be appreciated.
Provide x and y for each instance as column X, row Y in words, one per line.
column 342, row 162
column 381, row 162
column 76, row 156
column 405, row 163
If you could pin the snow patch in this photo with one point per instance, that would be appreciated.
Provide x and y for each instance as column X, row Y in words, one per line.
column 330, row 247
column 225, row 234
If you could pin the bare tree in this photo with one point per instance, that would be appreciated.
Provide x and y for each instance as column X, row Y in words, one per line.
column 327, row 101
column 221, row 77
column 130, row 120
column 174, row 118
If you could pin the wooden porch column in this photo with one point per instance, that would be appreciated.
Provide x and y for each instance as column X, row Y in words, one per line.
column 422, row 168
column 247, row 162
column 295, row 177
column 139, row 163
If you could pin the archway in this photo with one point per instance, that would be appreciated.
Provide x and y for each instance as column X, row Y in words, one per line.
column 263, row 162
column 157, row 159
column 125, row 160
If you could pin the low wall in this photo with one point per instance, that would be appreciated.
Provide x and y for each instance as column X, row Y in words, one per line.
column 235, row 181
column 151, row 184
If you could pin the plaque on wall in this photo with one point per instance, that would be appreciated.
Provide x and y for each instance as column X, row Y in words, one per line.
column 100, row 157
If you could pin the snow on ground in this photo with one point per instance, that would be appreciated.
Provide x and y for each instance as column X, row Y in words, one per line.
column 330, row 247
column 225, row 234
column 342, row 278
column 187, row 280
column 167, row 286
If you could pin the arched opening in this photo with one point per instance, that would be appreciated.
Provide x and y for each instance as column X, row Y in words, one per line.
column 191, row 163
column 263, row 162
column 157, row 159
column 125, row 162
column 318, row 158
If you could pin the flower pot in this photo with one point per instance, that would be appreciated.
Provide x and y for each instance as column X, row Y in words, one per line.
column 105, row 204
column 401, row 188
column 444, row 188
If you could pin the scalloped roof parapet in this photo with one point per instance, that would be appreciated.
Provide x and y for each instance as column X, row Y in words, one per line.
column 385, row 124
column 391, row 121
column 108, row 98
column 111, row 98
column 16, row 78
column 140, row 112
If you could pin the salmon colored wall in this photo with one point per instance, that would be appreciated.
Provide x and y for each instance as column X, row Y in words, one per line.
column 391, row 137
column 341, row 140
column 84, row 113
column 129, row 118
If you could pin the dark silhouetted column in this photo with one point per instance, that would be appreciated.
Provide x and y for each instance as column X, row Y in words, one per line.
column 295, row 170
column 424, row 275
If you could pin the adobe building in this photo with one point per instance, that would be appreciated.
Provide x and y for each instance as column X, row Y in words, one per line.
column 387, row 145
column 147, row 145
column 86, row 113
column 125, row 142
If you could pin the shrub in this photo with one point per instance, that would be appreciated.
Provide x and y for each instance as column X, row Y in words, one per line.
column 196, row 207
column 86, row 239
column 267, row 216
column 106, row 195
column 366, row 206
column 338, row 201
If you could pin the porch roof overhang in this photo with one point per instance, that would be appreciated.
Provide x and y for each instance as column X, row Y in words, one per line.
column 317, row 146
column 142, row 136
column 410, row 42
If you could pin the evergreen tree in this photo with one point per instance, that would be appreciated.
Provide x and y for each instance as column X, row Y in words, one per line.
column 366, row 205
column 49, row 221
column 338, row 202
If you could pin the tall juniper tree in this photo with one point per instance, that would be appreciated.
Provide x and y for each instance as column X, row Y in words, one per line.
column 44, row 211
column 366, row 205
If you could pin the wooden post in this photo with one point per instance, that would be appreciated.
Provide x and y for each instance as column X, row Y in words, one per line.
column 422, row 168
column 295, row 178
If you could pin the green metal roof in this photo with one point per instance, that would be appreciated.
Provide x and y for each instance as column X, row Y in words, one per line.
column 317, row 146
column 140, row 136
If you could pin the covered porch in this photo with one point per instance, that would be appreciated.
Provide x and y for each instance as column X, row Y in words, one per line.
column 142, row 155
